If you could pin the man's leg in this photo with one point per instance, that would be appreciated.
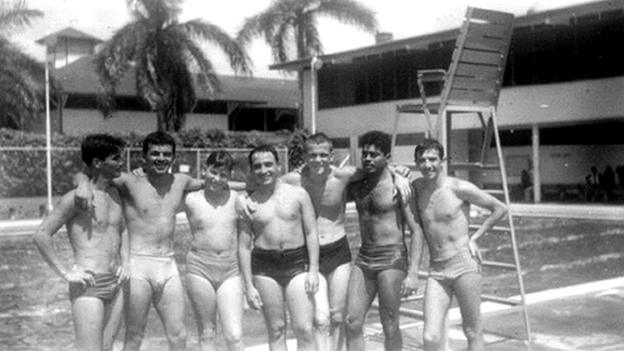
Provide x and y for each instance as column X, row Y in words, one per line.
column 468, row 292
column 389, row 288
column 436, row 305
column 88, row 313
column 272, row 297
column 170, row 308
column 204, row 302
column 301, row 308
column 360, row 296
column 112, row 321
column 321, row 315
column 338, row 284
column 230, row 305
column 137, row 300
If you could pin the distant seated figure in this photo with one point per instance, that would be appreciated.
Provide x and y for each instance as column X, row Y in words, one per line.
column 607, row 183
column 526, row 182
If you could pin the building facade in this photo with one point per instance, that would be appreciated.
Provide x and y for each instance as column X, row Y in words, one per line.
column 561, row 106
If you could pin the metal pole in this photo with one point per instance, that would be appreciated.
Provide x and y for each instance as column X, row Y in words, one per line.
column 48, row 134
column 315, row 64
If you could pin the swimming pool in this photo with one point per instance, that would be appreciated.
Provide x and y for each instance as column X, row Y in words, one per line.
column 555, row 252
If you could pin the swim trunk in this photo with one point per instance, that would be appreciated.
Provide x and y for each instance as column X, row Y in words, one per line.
column 106, row 288
column 333, row 255
column 376, row 259
column 281, row 265
column 213, row 268
column 447, row 271
column 156, row 270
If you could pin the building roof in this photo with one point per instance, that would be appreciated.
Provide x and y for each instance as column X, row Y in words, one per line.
column 80, row 77
column 68, row 32
column 563, row 16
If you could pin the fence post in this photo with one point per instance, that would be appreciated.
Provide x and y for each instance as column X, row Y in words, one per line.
column 128, row 160
column 198, row 163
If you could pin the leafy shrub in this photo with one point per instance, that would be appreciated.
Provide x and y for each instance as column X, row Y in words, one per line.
column 23, row 172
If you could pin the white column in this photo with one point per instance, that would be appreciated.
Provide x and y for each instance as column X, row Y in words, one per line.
column 537, row 184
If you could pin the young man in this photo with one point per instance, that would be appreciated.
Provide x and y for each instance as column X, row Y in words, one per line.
column 382, row 267
column 212, row 274
column 150, row 205
column 278, row 251
column 443, row 210
column 100, row 245
column 326, row 186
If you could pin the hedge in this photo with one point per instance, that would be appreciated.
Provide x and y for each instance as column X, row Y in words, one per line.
column 22, row 173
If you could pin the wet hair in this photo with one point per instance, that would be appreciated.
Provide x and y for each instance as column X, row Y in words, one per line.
column 158, row 138
column 100, row 146
column 318, row 138
column 263, row 148
column 220, row 159
column 428, row 144
column 378, row 139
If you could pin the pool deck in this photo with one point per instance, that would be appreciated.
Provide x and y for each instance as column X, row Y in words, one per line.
column 588, row 316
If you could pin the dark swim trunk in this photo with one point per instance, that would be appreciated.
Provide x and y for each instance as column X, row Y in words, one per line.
column 333, row 255
column 281, row 265
column 447, row 271
column 106, row 288
column 213, row 268
column 375, row 259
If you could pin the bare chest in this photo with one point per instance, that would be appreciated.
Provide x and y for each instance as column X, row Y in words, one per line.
column 148, row 199
column 441, row 206
column 325, row 195
column 377, row 200
column 277, row 208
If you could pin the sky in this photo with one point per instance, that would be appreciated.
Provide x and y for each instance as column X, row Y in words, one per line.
column 403, row 18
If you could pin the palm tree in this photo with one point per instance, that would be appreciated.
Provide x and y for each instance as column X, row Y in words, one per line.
column 164, row 54
column 289, row 27
column 21, row 76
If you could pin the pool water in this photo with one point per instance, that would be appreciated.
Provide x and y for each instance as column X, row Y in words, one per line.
column 34, row 307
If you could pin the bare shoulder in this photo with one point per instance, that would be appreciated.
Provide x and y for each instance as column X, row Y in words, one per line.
column 181, row 177
column 345, row 172
column 460, row 185
column 293, row 178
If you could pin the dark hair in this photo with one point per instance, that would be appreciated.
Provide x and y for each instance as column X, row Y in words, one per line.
column 318, row 138
column 428, row 144
column 377, row 138
column 100, row 146
column 220, row 159
column 158, row 138
column 263, row 148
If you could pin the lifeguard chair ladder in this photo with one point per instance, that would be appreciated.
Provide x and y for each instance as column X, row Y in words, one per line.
column 471, row 86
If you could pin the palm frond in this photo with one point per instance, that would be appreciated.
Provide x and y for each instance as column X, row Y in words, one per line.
column 236, row 55
column 17, row 15
column 312, row 39
column 349, row 12
column 280, row 40
column 206, row 76
column 264, row 23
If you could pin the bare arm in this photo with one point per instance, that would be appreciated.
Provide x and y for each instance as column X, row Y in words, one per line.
column 475, row 196
column 123, row 272
column 311, row 238
column 411, row 217
column 62, row 213
column 245, row 240
column 83, row 197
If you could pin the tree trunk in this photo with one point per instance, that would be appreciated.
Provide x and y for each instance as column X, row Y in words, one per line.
column 160, row 120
